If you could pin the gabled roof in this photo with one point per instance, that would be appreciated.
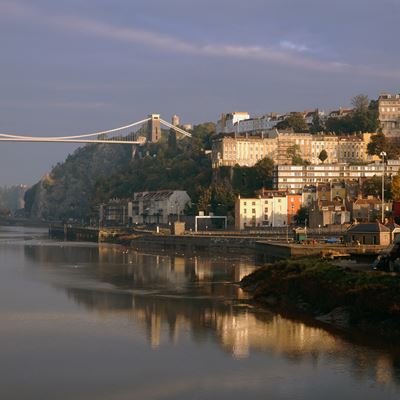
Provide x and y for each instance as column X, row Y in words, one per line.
column 371, row 227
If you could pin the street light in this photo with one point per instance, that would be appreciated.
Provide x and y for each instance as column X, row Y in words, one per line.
column 383, row 155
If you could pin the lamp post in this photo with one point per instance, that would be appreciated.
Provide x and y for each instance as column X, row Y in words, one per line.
column 383, row 155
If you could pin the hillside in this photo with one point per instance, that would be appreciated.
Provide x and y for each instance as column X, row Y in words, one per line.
column 94, row 174
column 67, row 190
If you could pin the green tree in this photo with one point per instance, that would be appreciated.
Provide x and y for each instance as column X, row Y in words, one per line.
column 293, row 151
column 317, row 124
column 373, row 187
column 172, row 147
column 377, row 144
column 204, row 202
column 395, row 188
column 360, row 103
column 380, row 143
column 264, row 169
column 302, row 215
column 363, row 118
column 294, row 121
column 323, row 155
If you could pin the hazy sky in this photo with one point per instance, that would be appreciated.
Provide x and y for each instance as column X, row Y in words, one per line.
column 71, row 66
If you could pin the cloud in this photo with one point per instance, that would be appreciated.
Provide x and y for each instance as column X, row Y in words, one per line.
column 289, row 53
column 288, row 45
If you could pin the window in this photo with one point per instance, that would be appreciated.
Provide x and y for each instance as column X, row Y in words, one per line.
column 253, row 211
column 253, row 203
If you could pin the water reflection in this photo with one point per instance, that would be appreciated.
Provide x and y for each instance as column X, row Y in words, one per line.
column 172, row 296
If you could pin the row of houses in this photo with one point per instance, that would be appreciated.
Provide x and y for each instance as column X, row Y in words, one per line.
column 326, row 204
column 240, row 122
column 295, row 177
column 159, row 207
column 247, row 150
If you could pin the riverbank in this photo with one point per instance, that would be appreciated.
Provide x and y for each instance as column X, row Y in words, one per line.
column 344, row 298
column 266, row 248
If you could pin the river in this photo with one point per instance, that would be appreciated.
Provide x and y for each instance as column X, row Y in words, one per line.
column 82, row 321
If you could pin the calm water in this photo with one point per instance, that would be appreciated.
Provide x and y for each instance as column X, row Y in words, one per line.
column 78, row 321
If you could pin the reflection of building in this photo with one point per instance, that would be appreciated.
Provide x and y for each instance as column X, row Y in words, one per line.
column 191, row 312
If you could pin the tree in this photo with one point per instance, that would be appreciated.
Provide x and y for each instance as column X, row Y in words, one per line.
column 396, row 188
column 204, row 201
column 317, row 124
column 380, row 142
column 264, row 169
column 294, row 121
column 293, row 151
column 363, row 118
column 302, row 215
column 323, row 155
column 373, row 187
column 360, row 103
column 377, row 144
column 172, row 142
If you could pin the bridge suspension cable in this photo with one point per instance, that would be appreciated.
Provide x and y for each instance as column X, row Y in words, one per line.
column 176, row 128
column 99, row 136
column 40, row 138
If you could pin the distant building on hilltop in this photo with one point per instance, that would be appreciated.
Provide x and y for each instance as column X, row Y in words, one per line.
column 227, row 122
column 389, row 113
column 340, row 113
column 175, row 121
column 247, row 149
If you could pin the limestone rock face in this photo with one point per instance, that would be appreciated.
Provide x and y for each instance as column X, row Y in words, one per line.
column 66, row 192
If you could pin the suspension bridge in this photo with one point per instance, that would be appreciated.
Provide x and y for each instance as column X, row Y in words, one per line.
column 147, row 130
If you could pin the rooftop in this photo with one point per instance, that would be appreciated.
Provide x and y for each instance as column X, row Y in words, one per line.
column 371, row 227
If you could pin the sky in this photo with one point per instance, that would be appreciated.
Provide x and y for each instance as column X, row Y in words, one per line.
column 75, row 66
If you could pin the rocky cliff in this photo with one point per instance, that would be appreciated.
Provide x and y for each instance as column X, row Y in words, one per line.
column 66, row 192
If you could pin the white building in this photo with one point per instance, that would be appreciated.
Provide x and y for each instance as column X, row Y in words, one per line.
column 389, row 113
column 294, row 177
column 243, row 151
column 261, row 212
column 228, row 121
column 156, row 207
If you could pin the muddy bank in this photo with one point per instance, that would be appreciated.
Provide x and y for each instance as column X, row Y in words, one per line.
column 344, row 298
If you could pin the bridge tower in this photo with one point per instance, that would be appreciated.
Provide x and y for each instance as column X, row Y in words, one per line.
column 154, row 128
